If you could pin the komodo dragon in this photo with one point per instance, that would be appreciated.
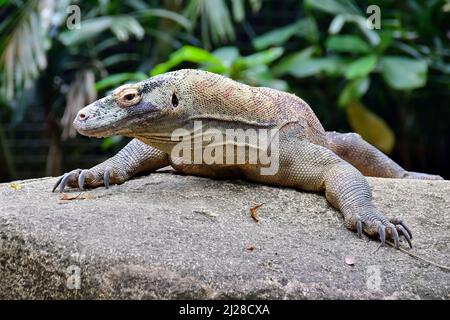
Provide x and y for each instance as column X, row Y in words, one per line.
column 309, row 157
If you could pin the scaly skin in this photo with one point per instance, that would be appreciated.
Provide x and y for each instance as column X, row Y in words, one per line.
column 309, row 158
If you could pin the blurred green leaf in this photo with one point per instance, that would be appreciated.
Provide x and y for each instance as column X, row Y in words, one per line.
column 162, row 13
column 215, row 20
column 336, row 24
column 309, row 30
column 188, row 54
column 386, row 39
column 370, row 34
column 117, row 79
column 24, row 41
column 289, row 62
column 302, row 64
column 353, row 91
column 122, row 26
column 334, row 6
column 304, row 27
column 347, row 43
column 227, row 55
column 361, row 67
column 262, row 76
column 275, row 37
column 238, row 10
column 119, row 58
column 409, row 50
column 404, row 73
column 360, row 21
column 370, row 126
column 260, row 58
column 331, row 66
column 110, row 142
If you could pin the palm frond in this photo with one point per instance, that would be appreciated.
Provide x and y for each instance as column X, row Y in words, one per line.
column 24, row 41
column 122, row 26
column 216, row 18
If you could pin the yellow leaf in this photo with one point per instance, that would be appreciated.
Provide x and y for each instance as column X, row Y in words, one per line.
column 370, row 126
column 16, row 186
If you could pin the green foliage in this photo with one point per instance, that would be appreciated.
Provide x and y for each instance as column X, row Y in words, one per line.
column 216, row 18
column 252, row 69
column 24, row 42
column 353, row 91
column 404, row 73
column 347, row 43
column 361, row 67
column 349, row 52
column 304, row 28
column 110, row 142
column 334, row 7
column 117, row 79
column 121, row 26
column 188, row 54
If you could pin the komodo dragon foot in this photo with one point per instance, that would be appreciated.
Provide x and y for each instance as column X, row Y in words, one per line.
column 82, row 179
column 136, row 157
column 375, row 225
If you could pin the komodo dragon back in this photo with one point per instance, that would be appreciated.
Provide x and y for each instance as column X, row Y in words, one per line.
column 223, row 98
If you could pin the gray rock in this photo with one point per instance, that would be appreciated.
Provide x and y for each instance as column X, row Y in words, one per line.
column 169, row 236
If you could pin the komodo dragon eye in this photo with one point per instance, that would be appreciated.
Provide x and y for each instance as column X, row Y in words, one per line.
column 174, row 100
column 128, row 97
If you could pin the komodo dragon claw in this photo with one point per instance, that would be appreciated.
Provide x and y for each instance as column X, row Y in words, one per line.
column 382, row 233
column 403, row 232
column 83, row 179
column 106, row 177
column 399, row 222
column 395, row 235
column 377, row 226
column 64, row 179
column 359, row 228
column 396, row 229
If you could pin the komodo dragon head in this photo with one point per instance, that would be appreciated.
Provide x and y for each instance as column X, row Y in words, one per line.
column 157, row 105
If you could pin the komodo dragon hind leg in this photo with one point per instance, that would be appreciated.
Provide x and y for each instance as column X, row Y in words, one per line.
column 311, row 167
column 134, row 158
column 369, row 160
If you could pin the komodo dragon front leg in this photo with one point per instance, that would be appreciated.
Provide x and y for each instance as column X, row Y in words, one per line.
column 306, row 166
column 369, row 160
column 134, row 158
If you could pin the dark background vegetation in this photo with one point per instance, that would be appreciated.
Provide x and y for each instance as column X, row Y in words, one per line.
column 390, row 85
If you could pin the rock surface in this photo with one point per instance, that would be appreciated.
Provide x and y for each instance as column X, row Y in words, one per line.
column 169, row 236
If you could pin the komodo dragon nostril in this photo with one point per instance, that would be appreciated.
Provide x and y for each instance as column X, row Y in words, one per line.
column 82, row 116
